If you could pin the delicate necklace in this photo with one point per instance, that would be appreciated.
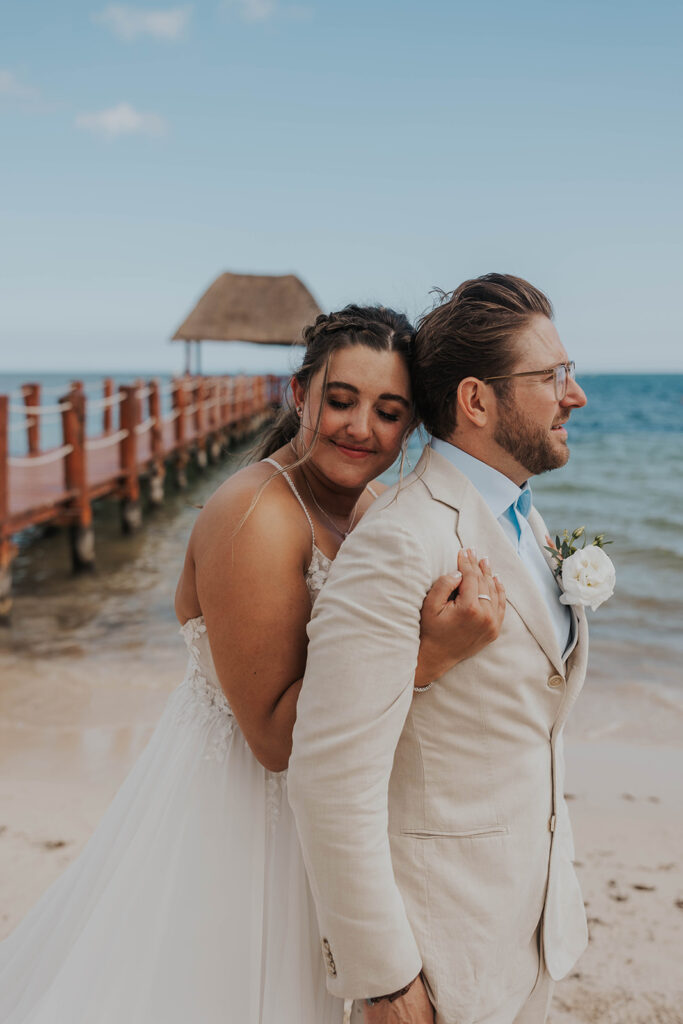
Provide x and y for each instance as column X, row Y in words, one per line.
column 342, row 533
column 354, row 511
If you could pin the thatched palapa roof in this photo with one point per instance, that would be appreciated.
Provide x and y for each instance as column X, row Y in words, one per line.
column 250, row 307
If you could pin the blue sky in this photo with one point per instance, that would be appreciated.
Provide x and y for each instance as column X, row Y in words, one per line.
column 377, row 149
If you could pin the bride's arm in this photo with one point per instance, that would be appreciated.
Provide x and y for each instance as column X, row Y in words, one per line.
column 252, row 593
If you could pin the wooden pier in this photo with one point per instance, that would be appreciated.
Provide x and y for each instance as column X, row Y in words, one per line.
column 136, row 440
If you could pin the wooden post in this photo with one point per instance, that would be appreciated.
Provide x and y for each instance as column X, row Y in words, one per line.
column 261, row 392
column 32, row 397
column 4, row 456
column 214, row 411
column 107, row 392
column 244, row 405
column 239, row 407
column 199, row 395
column 131, row 518
column 223, row 414
column 179, row 403
column 81, row 534
column 158, row 469
column 229, row 409
column 7, row 548
column 213, row 421
column 250, row 405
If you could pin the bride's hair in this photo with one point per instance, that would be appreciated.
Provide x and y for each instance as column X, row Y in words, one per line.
column 376, row 327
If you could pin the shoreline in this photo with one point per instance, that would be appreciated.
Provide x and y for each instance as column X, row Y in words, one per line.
column 71, row 727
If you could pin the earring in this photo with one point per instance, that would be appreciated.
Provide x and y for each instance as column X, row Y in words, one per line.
column 299, row 410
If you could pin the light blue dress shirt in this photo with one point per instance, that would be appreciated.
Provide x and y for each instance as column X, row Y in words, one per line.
column 511, row 505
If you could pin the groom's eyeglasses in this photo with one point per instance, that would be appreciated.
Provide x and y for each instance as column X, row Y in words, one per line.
column 561, row 375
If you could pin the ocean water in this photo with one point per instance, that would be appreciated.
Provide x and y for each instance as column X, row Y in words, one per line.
column 623, row 479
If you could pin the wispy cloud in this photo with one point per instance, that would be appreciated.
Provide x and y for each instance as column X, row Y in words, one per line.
column 14, row 88
column 132, row 22
column 257, row 10
column 122, row 120
column 266, row 10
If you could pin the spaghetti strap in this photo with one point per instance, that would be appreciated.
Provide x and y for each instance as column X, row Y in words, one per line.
column 296, row 494
column 372, row 492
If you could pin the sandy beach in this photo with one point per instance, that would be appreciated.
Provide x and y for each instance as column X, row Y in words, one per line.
column 71, row 726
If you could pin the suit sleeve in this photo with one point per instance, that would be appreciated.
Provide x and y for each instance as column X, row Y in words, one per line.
column 364, row 639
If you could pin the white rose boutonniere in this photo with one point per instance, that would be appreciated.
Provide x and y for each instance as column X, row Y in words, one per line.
column 586, row 574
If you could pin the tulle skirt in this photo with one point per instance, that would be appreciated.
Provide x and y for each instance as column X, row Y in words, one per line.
column 190, row 902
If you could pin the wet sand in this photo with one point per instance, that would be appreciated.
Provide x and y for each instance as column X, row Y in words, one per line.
column 84, row 673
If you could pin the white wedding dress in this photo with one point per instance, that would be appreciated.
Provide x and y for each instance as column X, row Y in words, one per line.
column 189, row 904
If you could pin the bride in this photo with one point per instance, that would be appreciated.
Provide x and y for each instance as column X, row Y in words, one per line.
column 190, row 901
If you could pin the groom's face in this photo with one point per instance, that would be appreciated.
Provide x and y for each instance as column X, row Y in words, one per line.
column 531, row 421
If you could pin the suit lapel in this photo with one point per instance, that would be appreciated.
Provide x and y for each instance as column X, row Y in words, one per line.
column 478, row 528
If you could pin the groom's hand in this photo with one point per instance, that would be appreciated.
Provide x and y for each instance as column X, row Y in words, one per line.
column 461, row 614
column 412, row 1008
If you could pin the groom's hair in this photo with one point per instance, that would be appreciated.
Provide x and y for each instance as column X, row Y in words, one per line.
column 470, row 333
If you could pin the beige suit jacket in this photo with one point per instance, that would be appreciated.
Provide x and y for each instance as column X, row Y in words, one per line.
column 434, row 826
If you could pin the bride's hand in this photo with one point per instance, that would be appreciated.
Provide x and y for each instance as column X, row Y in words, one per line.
column 456, row 622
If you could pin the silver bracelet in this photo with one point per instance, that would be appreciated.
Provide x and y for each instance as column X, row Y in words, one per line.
column 423, row 689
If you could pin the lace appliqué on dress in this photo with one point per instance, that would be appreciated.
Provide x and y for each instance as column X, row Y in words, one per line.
column 205, row 705
column 317, row 572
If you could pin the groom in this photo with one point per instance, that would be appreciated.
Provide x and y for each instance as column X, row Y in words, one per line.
column 433, row 824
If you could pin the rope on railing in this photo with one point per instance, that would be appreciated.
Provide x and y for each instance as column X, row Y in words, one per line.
column 40, row 410
column 104, row 403
column 189, row 409
column 171, row 416
column 29, row 461
column 142, row 428
column 143, row 393
column 93, row 444
column 29, row 422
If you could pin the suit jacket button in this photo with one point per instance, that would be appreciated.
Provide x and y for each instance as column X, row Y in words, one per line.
column 555, row 682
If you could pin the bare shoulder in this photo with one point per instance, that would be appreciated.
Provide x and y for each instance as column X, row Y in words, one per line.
column 257, row 503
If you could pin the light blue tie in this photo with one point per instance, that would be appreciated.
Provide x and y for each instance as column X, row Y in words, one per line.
column 533, row 557
column 519, row 511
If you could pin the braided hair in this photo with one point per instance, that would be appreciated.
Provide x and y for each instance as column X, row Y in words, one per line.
column 376, row 327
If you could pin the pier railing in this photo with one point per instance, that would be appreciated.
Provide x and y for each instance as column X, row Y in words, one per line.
column 106, row 445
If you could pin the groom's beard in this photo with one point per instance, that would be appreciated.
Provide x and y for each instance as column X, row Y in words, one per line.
column 529, row 444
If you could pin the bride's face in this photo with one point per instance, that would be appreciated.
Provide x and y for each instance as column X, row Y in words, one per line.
column 366, row 412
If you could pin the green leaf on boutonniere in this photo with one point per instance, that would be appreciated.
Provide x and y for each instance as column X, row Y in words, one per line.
column 566, row 546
